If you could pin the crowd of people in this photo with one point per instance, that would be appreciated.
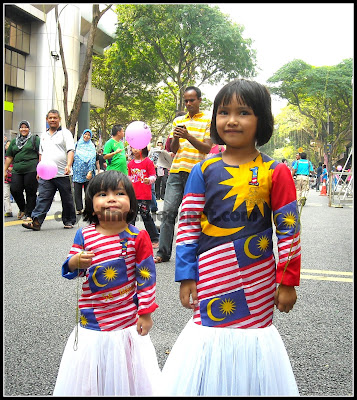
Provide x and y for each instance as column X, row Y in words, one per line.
column 77, row 163
column 307, row 176
column 226, row 193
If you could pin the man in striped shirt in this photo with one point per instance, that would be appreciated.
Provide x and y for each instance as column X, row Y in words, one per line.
column 190, row 140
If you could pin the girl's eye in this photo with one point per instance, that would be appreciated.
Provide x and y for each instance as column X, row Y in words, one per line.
column 222, row 112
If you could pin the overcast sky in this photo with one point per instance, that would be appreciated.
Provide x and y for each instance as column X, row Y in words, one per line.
column 320, row 34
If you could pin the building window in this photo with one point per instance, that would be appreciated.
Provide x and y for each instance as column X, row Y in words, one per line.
column 17, row 36
column 15, row 64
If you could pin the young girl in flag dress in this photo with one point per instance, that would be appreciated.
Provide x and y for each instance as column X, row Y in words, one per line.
column 225, row 260
column 110, row 353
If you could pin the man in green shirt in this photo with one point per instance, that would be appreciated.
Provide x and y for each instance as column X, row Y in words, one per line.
column 114, row 151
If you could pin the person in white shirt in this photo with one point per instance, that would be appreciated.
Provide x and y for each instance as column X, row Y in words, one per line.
column 57, row 144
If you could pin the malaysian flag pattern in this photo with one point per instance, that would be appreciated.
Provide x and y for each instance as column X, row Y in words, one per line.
column 230, row 296
column 224, row 240
column 120, row 284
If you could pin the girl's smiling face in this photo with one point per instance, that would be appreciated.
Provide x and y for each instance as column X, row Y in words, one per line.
column 236, row 124
column 111, row 205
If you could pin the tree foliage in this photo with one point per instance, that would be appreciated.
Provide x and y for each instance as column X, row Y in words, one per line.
column 321, row 94
column 292, row 131
column 183, row 44
column 160, row 50
column 127, row 95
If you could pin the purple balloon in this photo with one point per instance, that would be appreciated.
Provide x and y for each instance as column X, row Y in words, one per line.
column 47, row 169
column 138, row 135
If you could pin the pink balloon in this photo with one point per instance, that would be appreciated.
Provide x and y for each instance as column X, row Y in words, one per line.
column 47, row 169
column 138, row 135
column 339, row 167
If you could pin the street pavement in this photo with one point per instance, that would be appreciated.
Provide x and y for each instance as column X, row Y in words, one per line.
column 39, row 305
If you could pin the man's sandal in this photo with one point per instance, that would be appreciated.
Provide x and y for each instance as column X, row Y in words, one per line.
column 32, row 225
column 159, row 260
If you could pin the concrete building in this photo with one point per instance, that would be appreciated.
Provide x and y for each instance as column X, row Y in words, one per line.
column 33, row 73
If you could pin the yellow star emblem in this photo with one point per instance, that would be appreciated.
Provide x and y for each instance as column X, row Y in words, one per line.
column 250, row 194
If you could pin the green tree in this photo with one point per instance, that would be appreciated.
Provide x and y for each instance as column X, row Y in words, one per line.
column 293, row 131
column 321, row 94
column 183, row 44
column 128, row 95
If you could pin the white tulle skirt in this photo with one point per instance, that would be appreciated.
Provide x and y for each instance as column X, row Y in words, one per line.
column 208, row 361
column 113, row 363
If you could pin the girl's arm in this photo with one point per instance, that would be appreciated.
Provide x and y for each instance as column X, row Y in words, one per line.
column 151, row 172
column 188, row 293
column 145, row 273
column 144, row 324
column 189, row 226
column 188, row 234
column 286, row 219
column 70, row 266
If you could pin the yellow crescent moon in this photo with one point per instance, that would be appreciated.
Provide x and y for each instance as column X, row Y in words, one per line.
column 209, row 311
column 215, row 231
column 95, row 279
column 246, row 248
column 280, row 232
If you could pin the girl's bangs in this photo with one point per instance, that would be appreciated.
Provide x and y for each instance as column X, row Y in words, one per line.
column 241, row 92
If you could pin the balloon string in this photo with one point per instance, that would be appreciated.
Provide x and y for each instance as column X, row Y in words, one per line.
column 75, row 344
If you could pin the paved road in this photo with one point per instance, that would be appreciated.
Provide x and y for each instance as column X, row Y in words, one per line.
column 39, row 305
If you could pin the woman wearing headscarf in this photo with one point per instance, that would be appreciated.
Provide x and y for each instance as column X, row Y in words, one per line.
column 83, row 167
column 23, row 154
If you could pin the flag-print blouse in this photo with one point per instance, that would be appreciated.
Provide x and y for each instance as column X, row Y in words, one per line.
column 224, row 239
column 120, row 284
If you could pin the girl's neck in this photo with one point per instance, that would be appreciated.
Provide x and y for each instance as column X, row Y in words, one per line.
column 139, row 158
column 234, row 156
column 110, row 228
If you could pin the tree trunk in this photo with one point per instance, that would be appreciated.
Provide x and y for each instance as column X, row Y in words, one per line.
column 64, row 67
column 72, row 119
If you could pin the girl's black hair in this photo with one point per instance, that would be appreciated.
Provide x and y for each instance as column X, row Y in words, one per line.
column 105, row 181
column 255, row 96
column 145, row 152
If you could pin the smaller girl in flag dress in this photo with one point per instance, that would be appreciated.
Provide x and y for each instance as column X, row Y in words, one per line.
column 225, row 261
column 110, row 353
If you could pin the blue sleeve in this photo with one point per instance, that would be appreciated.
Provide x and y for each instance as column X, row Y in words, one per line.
column 187, row 239
column 78, row 246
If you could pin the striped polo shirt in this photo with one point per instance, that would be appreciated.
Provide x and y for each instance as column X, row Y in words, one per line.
column 187, row 155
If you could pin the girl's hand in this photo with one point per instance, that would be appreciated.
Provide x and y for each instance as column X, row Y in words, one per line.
column 146, row 181
column 285, row 298
column 188, row 288
column 144, row 324
column 84, row 259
